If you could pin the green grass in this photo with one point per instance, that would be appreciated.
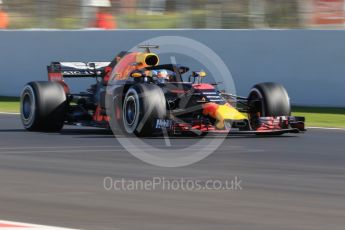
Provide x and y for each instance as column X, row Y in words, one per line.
column 9, row 104
column 315, row 116
column 322, row 117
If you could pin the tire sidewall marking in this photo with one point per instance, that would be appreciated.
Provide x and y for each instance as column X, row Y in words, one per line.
column 28, row 91
column 130, row 128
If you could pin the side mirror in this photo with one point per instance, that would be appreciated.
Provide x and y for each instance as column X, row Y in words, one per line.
column 183, row 69
column 199, row 74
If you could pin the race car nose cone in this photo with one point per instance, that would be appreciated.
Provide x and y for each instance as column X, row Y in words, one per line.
column 222, row 113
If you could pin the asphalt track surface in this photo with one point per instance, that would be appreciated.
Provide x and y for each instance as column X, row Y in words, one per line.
column 288, row 182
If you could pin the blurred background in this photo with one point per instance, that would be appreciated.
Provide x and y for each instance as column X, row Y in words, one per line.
column 166, row 14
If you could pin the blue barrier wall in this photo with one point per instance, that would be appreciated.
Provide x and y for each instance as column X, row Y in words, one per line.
column 309, row 63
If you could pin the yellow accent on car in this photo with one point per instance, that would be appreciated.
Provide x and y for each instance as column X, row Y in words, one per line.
column 227, row 112
column 147, row 59
column 136, row 74
column 222, row 113
column 202, row 74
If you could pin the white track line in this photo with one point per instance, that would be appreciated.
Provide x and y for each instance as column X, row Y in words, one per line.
column 9, row 113
column 10, row 225
column 326, row 128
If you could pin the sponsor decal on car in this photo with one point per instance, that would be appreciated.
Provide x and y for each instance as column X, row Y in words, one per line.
column 163, row 123
column 76, row 72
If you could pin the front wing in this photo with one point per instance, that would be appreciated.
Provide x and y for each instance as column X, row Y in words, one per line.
column 265, row 126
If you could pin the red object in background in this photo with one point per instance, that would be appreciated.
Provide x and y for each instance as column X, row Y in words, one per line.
column 3, row 20
column 105, row 21
column 328, row 12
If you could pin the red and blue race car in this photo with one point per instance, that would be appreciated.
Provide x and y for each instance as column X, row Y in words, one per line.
column 134, row 94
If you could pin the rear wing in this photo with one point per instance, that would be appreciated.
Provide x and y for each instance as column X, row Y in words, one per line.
column 59, row 70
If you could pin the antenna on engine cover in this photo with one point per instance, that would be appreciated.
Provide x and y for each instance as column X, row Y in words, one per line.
column 148, row 47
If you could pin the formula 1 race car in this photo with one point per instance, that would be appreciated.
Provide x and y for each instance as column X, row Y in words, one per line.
column 134, row 94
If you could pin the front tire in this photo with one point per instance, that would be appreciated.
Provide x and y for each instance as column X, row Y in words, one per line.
column 267, row 100
column 43, row 106
column 142, row 106
column 270, row 100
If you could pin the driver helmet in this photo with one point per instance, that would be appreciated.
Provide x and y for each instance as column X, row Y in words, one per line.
column 162, row 76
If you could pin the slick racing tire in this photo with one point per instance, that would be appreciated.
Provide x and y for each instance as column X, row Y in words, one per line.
column 142, row 106
column 267, row 100
column 43, row 106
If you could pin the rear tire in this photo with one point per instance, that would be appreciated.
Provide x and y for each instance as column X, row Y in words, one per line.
column 142, row 106
column 43, row 106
